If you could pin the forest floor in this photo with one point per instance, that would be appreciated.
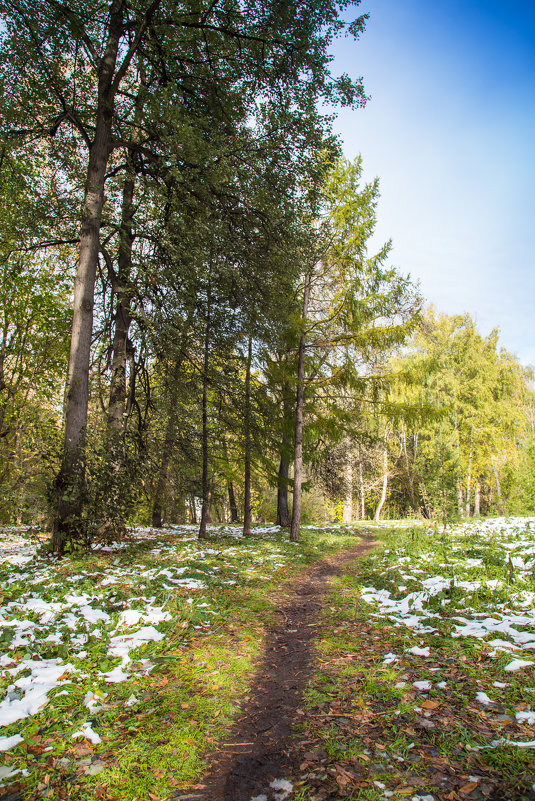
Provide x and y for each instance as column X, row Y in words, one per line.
column 261, row 670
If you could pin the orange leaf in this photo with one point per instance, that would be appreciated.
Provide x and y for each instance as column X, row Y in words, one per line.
column 468, row 788
column 429, row 704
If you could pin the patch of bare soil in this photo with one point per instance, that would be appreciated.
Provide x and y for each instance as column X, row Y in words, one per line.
column 261, row 748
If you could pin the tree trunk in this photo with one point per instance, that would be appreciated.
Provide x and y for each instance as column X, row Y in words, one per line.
column 232, row 503
column 347, row 513
column 247, row 466
column 283, row 509
column 205, row 512
column 172, row 420
column 69, row 485
column 161, row 483
column 193, row 509
column 362, row 494
column 469, row 480
column 477, row 500
column 123, row 314
column 385, row 485
column 299, row 410
column 498, row 486
column 459, row 499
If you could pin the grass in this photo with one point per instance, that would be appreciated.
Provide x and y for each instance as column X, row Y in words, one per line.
column 376, row 735
column 182, row 692
column 440, row 742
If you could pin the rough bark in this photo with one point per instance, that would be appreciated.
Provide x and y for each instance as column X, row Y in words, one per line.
column 167, row 449
column 498, row 486
column 382, row 499
column 347, row 513
column 299, row 410
column 205, row 512
column 283, row 508
column 362, row 493
column 193, row 509
column 121, row 287
column 123, row 313
column 247, row 444
column 232, row 503
column 469, row 481
column 69, row 484
column 477, row 500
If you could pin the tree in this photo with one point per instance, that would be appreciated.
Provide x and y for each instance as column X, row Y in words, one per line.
column 463, row 420
column 73, row 67
column 354, row 307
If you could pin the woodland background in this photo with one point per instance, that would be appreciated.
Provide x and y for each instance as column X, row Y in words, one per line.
column 243, row 341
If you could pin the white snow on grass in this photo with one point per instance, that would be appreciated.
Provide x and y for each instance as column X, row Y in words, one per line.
column 7, row 743
column 422, row 685
column 473, row 580
column 44, row 676
column 517, row 664
column 71, row 629
column 88, row 734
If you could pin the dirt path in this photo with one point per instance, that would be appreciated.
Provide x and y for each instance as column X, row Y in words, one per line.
column 260, row 746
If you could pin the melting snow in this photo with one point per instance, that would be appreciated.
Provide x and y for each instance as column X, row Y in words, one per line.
column 6, row 743
column 518, row 664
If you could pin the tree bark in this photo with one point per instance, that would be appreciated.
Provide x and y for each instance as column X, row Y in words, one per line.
column 498, row 486
column 299, row 410
column 232, row 503
column 362, row 494
column 69, row 485
column 205, row 512
column 123, row 313
column 385, row 485
column 247, row 454
column 347, row 513
column 283, row 509
column 157, row 505
column 172, row 420
column 469, row 480
column 477, row 500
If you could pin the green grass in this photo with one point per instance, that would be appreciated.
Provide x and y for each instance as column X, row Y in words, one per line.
column 410, row 731
column 203, row 666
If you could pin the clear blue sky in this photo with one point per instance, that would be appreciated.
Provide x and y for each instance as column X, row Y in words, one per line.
column 450, row 131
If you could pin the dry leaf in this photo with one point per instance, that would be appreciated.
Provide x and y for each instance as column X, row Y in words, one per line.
column 429, row 704
column 468, row 788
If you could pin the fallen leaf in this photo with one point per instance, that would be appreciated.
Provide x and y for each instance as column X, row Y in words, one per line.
column 468, row 788
column 430, row 704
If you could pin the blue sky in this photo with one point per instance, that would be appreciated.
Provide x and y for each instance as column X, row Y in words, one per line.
column 450, row 131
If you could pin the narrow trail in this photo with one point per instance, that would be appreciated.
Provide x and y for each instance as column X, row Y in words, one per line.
column 259, row 748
